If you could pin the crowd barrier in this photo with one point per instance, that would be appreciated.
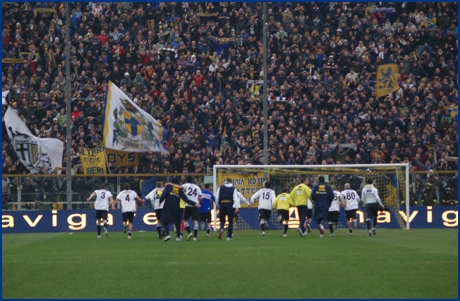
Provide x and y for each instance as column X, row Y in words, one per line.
column 145, row 220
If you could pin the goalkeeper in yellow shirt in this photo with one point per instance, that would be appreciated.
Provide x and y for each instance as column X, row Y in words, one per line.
column 282, row 203
column 300, row 195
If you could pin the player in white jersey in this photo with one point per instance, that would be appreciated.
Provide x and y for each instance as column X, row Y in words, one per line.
column 101, row 205
column 370, row 196
column 128, row 199
column 236, row 216
column 154, row 198
column 350, row 200
column 194, row 194
column 334, row 211
column 265, row 197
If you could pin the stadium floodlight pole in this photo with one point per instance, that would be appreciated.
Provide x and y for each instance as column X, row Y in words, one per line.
column 68, row 109
column 265, row 96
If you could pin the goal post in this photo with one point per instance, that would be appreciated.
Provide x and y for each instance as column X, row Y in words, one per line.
column 391, row 180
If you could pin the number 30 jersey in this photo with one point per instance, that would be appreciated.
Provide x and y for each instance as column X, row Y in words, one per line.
column 102, row 199
column 266, row 198
column 350, row 198
column 193, row 192
column 128, row 200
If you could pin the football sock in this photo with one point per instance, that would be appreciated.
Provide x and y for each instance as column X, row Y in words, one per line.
column 105, row 225
column 207, row 231
column 159, row 230
column 285, row 228
column 98, row 230
column 262, row 226
column 331, row 228
column 350, row 230
column 129, row 233
column 368, row 223
column 195, row 230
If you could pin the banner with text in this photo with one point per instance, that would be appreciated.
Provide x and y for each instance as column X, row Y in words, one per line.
column 83, row 220
column 247, row 183
column 121, row 159
column 93, row 160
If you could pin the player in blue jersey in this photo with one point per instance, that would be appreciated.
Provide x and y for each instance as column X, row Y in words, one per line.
column 322, row 196
column 207, row 203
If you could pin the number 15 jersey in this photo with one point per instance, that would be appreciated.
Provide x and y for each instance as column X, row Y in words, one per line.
column 266, row 198
column 128, row 200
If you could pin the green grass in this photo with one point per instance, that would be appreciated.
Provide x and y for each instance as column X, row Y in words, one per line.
column 392, row 264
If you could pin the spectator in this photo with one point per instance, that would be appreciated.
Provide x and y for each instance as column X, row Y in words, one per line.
column 321, row 60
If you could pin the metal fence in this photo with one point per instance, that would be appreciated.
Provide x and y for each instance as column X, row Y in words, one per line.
column 42, row 192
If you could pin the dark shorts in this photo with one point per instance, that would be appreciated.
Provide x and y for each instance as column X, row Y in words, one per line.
column 321, row 213
column 283, row 215
column 333, row 216
column 101, row 214
column 158, row 214
column 128, row 216
column 192, row 212
column 205, row 217
column 371, row 210
column 264, row 214
column 350, row 214
column 309, row 213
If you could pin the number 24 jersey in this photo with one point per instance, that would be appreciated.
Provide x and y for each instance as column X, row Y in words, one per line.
column 193, row 192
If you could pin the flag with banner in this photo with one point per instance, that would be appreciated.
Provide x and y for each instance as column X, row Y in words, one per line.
column 35, row 153
column 254, row 87
column 93, row 160
column 4, row 95
column 387, row 79
column 128, row 128
column 452, row 111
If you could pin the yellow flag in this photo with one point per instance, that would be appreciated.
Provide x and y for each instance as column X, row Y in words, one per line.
column 93, row 160
column 387, row 79
column 452, row 111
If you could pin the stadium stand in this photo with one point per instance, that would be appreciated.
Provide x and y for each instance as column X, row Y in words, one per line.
column 197, row 68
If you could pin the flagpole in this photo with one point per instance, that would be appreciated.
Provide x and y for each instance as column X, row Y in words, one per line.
column 68, row 109
column 265, row 96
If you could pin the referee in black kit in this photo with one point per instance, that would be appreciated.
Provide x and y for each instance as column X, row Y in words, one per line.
column 228, row 202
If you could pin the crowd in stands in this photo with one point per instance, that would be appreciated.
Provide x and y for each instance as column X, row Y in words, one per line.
column 197, row 67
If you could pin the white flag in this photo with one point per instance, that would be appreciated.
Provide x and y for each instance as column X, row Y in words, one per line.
column 4, row 95
column 35, row 153
column 129, row 128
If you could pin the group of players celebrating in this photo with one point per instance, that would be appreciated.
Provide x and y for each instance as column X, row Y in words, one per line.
column 176, row 204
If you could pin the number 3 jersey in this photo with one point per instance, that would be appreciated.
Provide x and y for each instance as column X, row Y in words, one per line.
column 102, row 199
column 350, row 198
column 193, row 192
column 266, row 198
column 128, row 200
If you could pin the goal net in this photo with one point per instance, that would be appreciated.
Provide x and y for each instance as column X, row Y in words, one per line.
column 389, row 179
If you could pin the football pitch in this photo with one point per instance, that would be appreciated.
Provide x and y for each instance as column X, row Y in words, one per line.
column 419, row 263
